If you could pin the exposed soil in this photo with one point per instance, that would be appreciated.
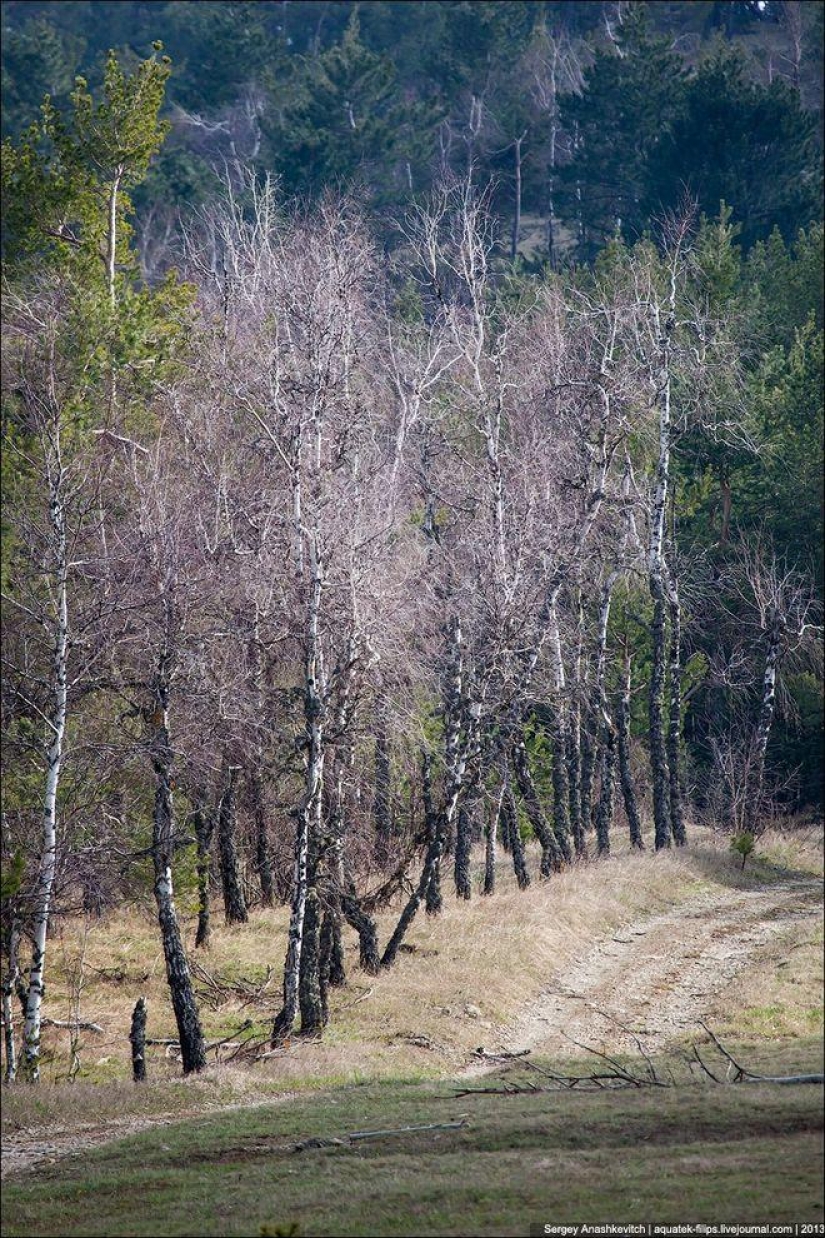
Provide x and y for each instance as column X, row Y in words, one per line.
column 656, row 979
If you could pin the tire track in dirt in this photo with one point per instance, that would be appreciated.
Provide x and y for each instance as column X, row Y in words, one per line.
column 657, row 978
column 25, row 1151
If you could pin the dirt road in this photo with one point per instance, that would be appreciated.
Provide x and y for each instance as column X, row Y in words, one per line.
column 657, row 978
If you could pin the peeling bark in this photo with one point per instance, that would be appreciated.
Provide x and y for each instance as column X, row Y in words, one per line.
column 233, row 897
column 674, row 734
column 308, row 825
column 54, row 758
column 137, row 1039
column 753, row 804
column 623, row 746
column 204, row 824
column 187, row 1018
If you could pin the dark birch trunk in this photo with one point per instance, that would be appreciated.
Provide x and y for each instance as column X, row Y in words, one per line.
column 493, row 818
column 674, row 735
column 233, row 898
column 364, row 926
column 187, row 1018
column 381, row 813
column 204, row 824
column 263, row 864
column 604, row 810
column 551, row 856
column 623, row 745
column 509, row 810
column 463, row 846
column 434, row 900
column 588, row 759
column 309, row 990
column 332, row 948
column 573, row 760
column 561, row 787
column 460, row 745
column 137, row 1039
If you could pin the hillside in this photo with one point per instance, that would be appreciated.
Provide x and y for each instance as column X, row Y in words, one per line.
column 670, row 941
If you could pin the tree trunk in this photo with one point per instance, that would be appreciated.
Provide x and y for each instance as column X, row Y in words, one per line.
column 656, row 578
column 658, row 753
column 233, row 898
column 333, row 950
column 674, row 735
column 381, row 814
column 54, row 758
column 558, row 734
column 517, row 206
column 10, row 981
column 604, row 811
column 308, row 829
column 434, row 901
column 309, row 990
column 623, row 745
column 204, row 824
column 753, row 800
column 458, row 749
column 463, row 845
column 263, row 864
column 588, row 758
column 510, row 811
column 137, row 1039
column 364, row 926
column 111, row 239
column 573, row 760
column 551, row 856
column 190, row 1034
column 493, row 817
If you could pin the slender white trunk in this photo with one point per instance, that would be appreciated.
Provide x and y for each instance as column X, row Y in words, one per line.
column 309, row 820
column 656, row 577
column 111, row 248
column 763, row 730
column 54, row 757
column 9, row 986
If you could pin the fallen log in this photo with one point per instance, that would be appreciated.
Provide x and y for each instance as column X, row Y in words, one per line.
column 73, row 1025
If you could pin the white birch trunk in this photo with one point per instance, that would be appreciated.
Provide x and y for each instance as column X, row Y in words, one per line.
column 9, row 983
column 309, row 821
column 656, row 578
column 54, row 758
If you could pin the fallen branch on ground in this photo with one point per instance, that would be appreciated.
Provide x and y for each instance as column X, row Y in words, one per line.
column 736, row 1073
column 355, row 1136
column 73, row 1025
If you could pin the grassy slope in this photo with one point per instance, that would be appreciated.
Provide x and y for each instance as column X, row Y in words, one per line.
column 693, row 1152
column 696, row 1152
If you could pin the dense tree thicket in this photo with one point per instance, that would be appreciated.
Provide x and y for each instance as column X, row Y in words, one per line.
column 340, row 533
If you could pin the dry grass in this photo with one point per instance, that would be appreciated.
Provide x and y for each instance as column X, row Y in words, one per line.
column 494, row 954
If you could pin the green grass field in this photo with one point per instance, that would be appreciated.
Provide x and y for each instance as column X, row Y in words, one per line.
column 744, row 1154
